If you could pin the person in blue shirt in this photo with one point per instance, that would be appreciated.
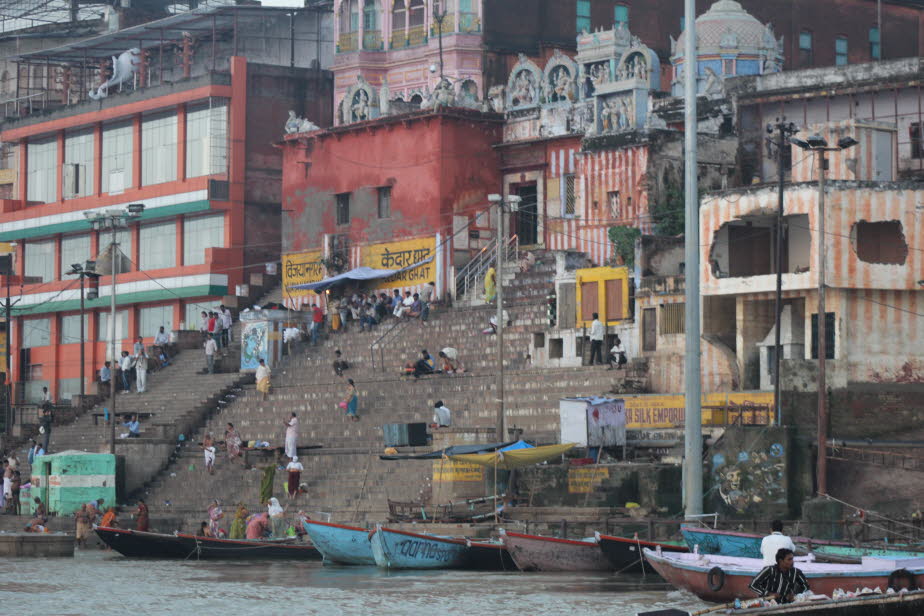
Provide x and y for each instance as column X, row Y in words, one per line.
column 134, row 428
column 105, row 373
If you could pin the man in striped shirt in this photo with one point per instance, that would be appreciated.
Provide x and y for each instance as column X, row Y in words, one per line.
column 781, row 579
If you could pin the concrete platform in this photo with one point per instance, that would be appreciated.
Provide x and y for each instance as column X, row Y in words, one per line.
column 33, row 545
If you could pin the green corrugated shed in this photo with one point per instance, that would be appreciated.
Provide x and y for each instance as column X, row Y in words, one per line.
column 64, row 481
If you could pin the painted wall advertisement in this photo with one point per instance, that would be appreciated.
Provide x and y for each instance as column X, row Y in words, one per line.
column 583, row 480
column 398, row 255
column 666, row 411
column 254, row 344
column 447, row 471
column 301, row 268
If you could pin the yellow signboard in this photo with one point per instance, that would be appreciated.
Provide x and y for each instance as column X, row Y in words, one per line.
column 446, row 471
column 2, row 344
column 668, row 411
column 7, row 176
column 583, row 480
column 301, row 268
column 398, row 255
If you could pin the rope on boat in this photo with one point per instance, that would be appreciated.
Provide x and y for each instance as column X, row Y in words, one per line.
column 878, row 515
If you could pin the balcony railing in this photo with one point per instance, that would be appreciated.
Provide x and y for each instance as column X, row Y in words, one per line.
column 346, row 42
column 449, row 25
column 399, row 39
column 661, row 285
column 469, row 22
column 417, row 35
column 372, row 40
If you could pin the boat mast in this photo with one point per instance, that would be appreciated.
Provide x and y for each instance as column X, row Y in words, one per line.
column 693, row 432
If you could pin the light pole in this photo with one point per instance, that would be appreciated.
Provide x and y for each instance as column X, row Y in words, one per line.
column 87, row 270
column 439, row 17
column 816, row 143
column 513, row 202
column 786, row 130
column 113, row 220
column 7, row 263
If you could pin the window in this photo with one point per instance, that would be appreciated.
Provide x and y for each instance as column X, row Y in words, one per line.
column 121, row 326
column 207, row 139
column 416, row 13
column 201, row 233
column 568, row 198
column 612, row 198
column 157, row 245
column 32, row 392
column 40, row 260
column 621, row 15
column 875, row 51
column 385, row 202
column 192, row 314
column 70, row 328
column 914, row 134
column 36, row 333
column 882, row 241
column 78, row 164
column 649, row 330
column 42, row 170
column 840, row 51
column 370, row 16
column 583, row 16
column 343, row 209
column 117, row 157
column 153, row 318
column 829, row 335
column 74, row 249
column 158, row 148
column 68, row 388
column 673, row 319
column 805, row 48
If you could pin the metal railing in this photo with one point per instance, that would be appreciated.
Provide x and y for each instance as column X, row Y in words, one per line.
column 24, row 105
column 379, row 345
column 473, row 273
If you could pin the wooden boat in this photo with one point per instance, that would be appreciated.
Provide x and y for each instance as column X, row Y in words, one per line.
column 537, row 553
column 340, row 544
column 625, row 555
column 852, row 555
column 726, row 578
column 904, row 604
column 400, row 549
column 138, row 544
column 738, row 544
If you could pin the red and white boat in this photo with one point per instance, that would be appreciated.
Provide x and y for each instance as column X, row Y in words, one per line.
column 726, row 578
column 537, row 553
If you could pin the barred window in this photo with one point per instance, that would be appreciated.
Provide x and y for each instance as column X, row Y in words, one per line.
column 569, row 196
column 673, row 319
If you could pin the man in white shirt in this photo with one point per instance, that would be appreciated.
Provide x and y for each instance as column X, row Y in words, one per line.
column 442, row 416
column 125, row 366
column 426, row 296
column 773, row 542
column 162, row 346
column 596, row 340
column 225, row 315
column 210, row 349
column 617, row 355
column 405, row 305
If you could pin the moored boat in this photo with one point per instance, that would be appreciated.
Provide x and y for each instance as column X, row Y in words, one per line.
column 904, row 604
column 340, row 544
column 737, row 544
column 138, row 544
column 399, row 549
column 849, row 554
column 625, row 555
column 726, row 578
column 489, row 556
column 538, row 553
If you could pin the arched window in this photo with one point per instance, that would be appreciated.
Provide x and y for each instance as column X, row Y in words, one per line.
column 417, row 33
column 399, row 24
column 349, row 25
column 372, row 35
column 416, row 13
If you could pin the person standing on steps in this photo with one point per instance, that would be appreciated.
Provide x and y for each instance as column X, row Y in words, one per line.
column 295, row 469
column 426, row 296
column 46, row 418
column 82, row 520
column 317, row 321
column 226, row 322
column 125, row 366
column 350, row 402
column 490, row 285
column 233, row 442
column 263, row 378
column 211, row 348
column 105, row 377
column 208, row 450
column 291, row 436
column 596, row 340
column 141, row 371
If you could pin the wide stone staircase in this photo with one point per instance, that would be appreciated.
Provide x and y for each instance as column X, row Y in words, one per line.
column 344, row 476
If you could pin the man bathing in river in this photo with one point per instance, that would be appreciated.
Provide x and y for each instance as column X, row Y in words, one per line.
column 781, row 579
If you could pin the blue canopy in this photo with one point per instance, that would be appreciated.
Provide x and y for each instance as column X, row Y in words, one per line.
column 358, row 274
column 520, row 444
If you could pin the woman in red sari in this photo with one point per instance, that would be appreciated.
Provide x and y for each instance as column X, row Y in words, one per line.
column 141, row 516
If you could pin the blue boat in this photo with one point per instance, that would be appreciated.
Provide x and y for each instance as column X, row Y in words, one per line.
column 339, row 544
column 399, row 549
column 738, row 544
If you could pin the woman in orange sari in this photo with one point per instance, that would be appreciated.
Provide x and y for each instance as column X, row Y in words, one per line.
column 109, row 519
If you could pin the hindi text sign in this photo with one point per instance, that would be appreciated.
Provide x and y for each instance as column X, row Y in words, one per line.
column 398, row 255
column 301, row 268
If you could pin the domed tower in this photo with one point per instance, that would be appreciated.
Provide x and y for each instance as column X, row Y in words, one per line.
column 730, row 42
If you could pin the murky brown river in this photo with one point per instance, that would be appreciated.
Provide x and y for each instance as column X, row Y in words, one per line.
column 97, row 583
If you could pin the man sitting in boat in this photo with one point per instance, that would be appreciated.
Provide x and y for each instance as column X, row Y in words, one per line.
column 772, row 543
column 781, row 579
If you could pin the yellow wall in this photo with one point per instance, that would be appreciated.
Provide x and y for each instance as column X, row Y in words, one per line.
column 600, row 275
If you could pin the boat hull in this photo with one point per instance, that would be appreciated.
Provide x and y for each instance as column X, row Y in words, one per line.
column 137, row 544
column 911, row 604
column 738, row 544
column 489, row 556
column 625, row 555
column 339, row 544
column 396, row 549
column 822, row 579
column 536, row 553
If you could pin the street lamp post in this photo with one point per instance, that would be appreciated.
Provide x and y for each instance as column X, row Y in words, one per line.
column 112, row 220
column 439, row 17
column 816, row 143
column 87, row 270
column 513, row 202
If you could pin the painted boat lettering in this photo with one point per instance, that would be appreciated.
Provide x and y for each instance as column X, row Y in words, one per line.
column 426, row 550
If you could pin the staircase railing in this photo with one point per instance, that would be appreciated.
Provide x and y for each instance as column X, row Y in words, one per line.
column 471, row 275
column 379, row 343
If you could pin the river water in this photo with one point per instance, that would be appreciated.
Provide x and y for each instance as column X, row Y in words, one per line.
column 98, row 583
